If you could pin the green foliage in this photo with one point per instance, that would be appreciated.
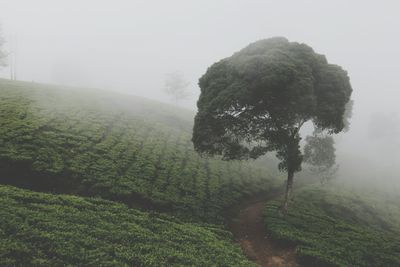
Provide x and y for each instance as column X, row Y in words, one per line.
column 319, row 154
column 257, row 100
column 320, row 151
column 335, row 227
column 38, row 229
column 95, row 143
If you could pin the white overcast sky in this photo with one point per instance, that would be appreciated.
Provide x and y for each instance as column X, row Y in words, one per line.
column 130, row 45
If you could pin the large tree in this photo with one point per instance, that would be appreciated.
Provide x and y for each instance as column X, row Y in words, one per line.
column 257, row 100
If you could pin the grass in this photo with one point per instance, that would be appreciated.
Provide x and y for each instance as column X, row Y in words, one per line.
column 39, row 229
column 95, row 143
column 336, row 227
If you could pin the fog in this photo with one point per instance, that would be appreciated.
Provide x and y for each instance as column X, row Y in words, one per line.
column 130, row 47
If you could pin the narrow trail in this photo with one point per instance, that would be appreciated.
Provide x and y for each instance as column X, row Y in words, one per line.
column 249, row 230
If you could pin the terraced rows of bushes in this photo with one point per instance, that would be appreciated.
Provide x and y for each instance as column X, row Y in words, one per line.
column 337, row 227
column 121, row 148
column 39, row 229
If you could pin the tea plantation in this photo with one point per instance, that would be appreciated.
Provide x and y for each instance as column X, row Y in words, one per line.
column 39, row 229
column 96, row 143
column 338, row 227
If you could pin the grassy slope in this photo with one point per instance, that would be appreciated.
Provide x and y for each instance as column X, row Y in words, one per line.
column 95, row 143
column 39, row 229
column 338, row 227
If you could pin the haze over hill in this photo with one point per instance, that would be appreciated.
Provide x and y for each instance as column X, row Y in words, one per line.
column 112, row 155
column 131, row 45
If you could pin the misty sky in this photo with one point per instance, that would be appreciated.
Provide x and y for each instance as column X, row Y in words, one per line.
column 129, row 46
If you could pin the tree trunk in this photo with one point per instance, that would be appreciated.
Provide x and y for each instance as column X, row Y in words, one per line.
column 289, row 185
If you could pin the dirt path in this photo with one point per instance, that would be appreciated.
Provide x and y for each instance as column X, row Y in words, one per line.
column 249, row 230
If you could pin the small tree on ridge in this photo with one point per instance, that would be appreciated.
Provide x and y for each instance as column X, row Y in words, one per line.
column 176, row 86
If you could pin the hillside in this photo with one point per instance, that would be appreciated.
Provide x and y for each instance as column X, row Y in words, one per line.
column 118, row 154
column 39, row 229
column 336, row 226
column 96, row 143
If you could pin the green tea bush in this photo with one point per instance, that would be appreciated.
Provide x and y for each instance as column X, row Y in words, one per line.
column 39, row 229
column 97, row 143
column 335, row 227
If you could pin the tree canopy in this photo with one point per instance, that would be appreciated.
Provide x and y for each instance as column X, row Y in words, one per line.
column 319, row 154
column 258, row 99
column 320, row 151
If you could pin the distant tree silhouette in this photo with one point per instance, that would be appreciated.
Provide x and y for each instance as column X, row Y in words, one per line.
column 176, row 86
column 383, row 133
column 384, row 126
column 3, row 54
